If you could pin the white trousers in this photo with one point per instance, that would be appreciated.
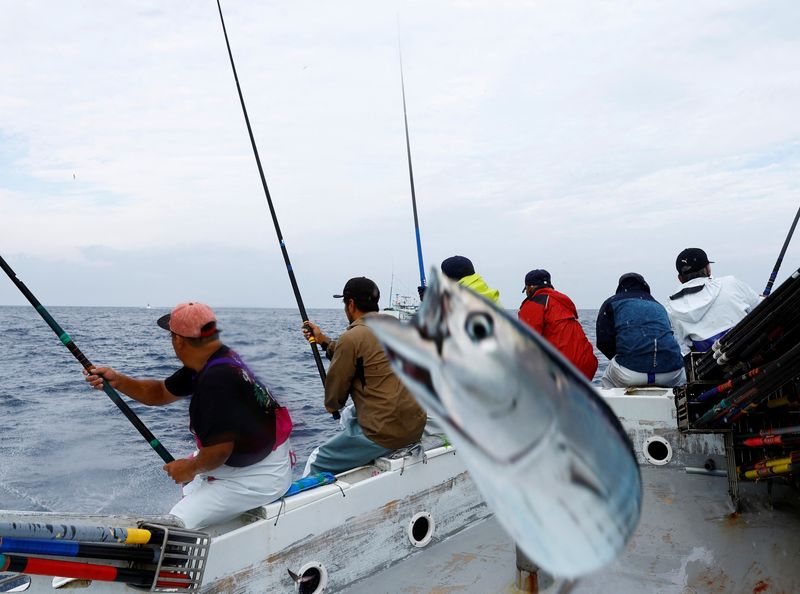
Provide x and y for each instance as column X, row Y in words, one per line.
column 617, row 376
column 234, row 490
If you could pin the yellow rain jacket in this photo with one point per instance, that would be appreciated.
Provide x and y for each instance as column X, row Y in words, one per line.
column 477, row 284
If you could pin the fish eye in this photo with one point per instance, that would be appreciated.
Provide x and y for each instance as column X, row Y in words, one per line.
column 479, row 326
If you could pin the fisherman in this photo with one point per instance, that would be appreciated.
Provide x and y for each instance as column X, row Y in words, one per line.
column 551, row 458
column 633, row 331
column 242, row 459
column 460, row 268
column 386, row 416
column 705, row 308
column 554, row 316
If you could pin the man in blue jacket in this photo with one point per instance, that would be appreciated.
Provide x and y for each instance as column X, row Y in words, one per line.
column 634, row 332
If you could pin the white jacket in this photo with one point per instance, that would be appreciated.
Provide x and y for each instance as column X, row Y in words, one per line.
column 707, row 307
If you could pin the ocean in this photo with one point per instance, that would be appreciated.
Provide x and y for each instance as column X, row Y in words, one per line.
column 67, row 448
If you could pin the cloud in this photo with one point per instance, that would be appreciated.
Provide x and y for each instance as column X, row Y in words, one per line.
column 593, row 139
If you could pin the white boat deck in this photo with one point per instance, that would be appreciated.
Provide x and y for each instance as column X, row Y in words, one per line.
column 358, row 530
column 688, row 542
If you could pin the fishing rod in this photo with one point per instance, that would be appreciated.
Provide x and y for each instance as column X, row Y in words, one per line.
column 770, row 467
column 769, row 471
column 78, row 533
column 771, row 440
column 281, row 242
column 763, row 330
column 772, row 276
column 66, row 340
column 728, row 385
column 771, row 377
column 422, row 281
column 776, row 374
column 771, row 316
column 66, row 548
column 91, row 571
column 771, row 431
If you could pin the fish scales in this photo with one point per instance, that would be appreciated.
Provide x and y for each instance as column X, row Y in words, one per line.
column 548, row 455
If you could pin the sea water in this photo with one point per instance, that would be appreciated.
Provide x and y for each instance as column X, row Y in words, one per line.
column 66, row 447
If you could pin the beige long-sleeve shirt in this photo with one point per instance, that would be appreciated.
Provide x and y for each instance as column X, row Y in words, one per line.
column 387, row 413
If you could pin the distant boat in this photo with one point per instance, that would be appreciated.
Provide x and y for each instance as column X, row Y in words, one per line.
column 403, row 307
column 421, row 508
column 148, row 306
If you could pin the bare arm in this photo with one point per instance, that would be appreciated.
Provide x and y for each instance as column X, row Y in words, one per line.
column 207, row 459
column 147, row 391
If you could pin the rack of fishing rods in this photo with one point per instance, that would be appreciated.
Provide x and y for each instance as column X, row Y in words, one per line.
column 151, row 557
column 748, row 387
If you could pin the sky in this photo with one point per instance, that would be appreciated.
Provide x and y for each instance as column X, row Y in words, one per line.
column 589, row 139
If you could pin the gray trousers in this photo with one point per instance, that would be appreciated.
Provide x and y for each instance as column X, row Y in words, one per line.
column 346, row 450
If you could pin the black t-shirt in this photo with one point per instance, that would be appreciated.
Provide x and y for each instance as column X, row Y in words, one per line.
column 227, row 405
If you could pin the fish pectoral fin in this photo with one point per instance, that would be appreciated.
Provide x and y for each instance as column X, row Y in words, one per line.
column 582, row 476
column 299, row 579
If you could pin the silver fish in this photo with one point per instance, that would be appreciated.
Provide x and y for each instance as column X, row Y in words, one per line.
column 548, row 455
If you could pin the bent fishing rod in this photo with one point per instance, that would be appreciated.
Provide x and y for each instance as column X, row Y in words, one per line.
column 66, row 340
column 422, row 281
column 281, row 242
column 772, row 276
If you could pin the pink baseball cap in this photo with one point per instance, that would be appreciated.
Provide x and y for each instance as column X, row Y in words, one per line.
column 190, row 320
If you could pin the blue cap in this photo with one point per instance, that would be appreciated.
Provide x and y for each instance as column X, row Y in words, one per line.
column 632, row 281
column 537, row 278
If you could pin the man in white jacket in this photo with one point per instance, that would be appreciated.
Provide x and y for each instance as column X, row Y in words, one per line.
column 705, row 308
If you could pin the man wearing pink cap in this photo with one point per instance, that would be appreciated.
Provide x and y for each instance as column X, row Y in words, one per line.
column 242, row 458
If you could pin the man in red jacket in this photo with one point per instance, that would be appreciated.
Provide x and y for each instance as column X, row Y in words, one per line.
column 554, row 316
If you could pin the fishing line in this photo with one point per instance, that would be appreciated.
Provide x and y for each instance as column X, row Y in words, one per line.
column 66, row 340
column 281, row 242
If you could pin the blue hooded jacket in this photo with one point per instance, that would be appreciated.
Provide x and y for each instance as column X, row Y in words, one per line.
column 635, row 328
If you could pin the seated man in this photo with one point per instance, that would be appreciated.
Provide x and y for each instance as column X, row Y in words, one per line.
column 387, row 417
column 461, row 269
column 633, row 331
column 554, row 316
column 242, row 458
column 705, row 308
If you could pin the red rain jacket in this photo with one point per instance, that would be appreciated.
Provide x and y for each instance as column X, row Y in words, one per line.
column 554, row 316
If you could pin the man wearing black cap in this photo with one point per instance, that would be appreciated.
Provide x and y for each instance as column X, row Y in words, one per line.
column 705, row 308
column 387, row 417
column 460, row 268
column 634, row 332
column 555, row 317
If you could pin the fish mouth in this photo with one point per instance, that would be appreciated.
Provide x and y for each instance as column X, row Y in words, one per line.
column 417, row 350
column 407, row 350
column 415, row 372
column 420, row 377
column 411, row 356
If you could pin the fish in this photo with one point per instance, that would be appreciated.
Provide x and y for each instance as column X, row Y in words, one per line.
column 548, row 455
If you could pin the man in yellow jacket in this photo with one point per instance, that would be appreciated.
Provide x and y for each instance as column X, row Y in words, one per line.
column 460, row 269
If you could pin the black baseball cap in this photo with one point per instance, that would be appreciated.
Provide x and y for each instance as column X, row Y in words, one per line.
column 537, row 278
column 457, row 267
column 360, row 288
column 691, row 260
